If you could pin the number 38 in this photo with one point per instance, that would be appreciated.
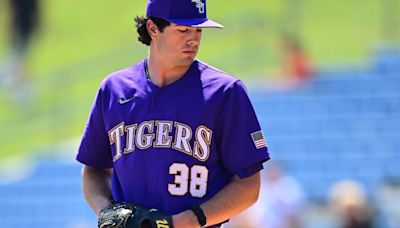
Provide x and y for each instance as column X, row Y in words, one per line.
column 196, row 185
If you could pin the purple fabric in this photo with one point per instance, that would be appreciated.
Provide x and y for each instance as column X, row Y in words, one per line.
column 213, row 108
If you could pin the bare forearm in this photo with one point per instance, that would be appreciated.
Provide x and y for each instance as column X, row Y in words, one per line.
column 230, row 201
column 96, row 187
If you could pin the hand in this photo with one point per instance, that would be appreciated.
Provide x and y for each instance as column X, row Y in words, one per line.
column 185, row 219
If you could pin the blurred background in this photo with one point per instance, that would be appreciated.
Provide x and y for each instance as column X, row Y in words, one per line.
column 324, row 77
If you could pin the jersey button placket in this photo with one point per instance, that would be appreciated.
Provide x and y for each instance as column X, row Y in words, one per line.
column 152, row 94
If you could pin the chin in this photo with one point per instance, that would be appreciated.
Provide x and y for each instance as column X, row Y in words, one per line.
column 187, row 61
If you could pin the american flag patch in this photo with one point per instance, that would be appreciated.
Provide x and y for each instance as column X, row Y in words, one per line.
column 258, row 139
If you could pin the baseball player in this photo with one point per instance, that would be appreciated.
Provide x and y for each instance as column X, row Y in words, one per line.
column 171, row 141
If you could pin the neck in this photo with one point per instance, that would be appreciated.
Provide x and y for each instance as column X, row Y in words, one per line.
column 162, row 72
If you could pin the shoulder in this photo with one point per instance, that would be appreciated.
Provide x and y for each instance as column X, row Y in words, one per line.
column 127, row 76
column 216, row 78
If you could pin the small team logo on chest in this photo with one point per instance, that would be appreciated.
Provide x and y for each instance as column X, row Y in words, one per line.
column 199, row 5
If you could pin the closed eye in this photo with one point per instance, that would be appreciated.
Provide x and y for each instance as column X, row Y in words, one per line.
column 183, row 30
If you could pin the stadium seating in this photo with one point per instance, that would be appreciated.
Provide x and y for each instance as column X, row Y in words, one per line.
column 49, row 197
column 335, row 127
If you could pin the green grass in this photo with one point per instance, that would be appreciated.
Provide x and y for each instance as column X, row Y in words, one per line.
column 80, row 42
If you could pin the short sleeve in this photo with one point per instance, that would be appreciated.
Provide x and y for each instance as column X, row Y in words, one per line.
column 94, row 149
column 242, row 144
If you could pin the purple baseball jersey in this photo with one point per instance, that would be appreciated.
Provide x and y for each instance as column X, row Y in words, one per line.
column 174, row 146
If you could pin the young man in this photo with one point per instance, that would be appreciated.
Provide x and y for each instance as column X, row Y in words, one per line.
column 171, row 132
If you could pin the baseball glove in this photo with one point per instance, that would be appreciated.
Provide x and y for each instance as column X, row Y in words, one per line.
column 123, row 215
column 116, row 215
column 149, row 218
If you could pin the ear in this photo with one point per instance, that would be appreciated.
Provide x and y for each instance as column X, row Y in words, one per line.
column 151, row 28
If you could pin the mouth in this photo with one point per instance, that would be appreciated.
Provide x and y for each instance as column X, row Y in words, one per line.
column 189, row 51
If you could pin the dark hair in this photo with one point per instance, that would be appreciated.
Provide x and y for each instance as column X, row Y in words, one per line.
column 141, row 28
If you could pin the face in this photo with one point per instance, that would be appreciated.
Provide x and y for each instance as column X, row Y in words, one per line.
column 177, row 44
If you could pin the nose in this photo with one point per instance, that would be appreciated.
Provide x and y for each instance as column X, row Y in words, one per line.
column 195, row 37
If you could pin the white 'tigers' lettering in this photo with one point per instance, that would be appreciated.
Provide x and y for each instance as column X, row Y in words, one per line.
column 163, row 129
column 202, row 144
column 143, row 141
column 115, row 135
column 157, row 134
column 183, row 134
column 130, row 142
